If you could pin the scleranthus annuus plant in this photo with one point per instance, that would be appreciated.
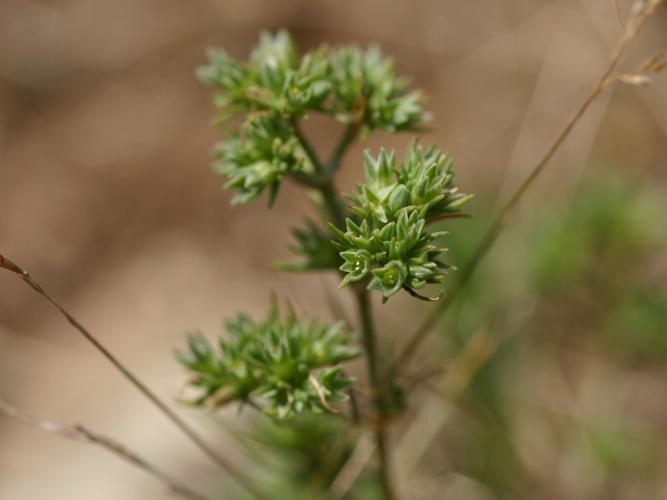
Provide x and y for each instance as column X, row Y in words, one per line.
column 379, row 239
column 290, row 367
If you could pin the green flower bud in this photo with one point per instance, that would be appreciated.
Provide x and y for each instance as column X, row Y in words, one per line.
column 357, row 265
column 389, row 279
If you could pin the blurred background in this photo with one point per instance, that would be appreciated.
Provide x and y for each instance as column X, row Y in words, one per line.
column 554, row 380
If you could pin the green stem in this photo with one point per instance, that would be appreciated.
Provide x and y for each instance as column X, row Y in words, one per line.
column 307, row 147
column 377, row 388
column 349, row 136
column 322, row 181
column 324, row 174
column 333, row 204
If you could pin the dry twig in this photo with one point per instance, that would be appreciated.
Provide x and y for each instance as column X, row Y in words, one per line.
column 641, row 14
column 353, row 467
column 619, row 13
column 231, row 469
column 80, row 433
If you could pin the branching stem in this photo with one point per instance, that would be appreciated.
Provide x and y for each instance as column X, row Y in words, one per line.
column 350, row 135
column 333, row 204
column 377, row 382
column 324, row 174
column 324, row 184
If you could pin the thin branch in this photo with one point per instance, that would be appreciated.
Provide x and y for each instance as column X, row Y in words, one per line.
column 369, row 341
column 77, row 432
column 338, row 313
column 324, row 173
column 350, row 135
column 420, row 434
column 353, row 467
column 334, row 304
column 424, row 376
column 322, row 180
column 330, row 465
column 355, row 412
column 333, row 204
column 5, row 263
column 447, row 216
column 231, row 469
column 619, row 13
column 323, row 183
column 307, row 147
column 606, row 79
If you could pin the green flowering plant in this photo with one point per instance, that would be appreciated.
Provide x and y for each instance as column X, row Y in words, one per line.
column 378, row 238
column 291, row 368
column 286, row 366
column 389, row 241
column 278, row 86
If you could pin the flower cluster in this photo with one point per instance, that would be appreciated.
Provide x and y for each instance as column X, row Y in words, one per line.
column 288, row 366
column 259, row 157
column 277, row 86
column 365, row 87
column 275, row 78
column 388, row 241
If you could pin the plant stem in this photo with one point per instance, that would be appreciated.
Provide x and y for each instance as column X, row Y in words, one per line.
column 334, row 207
column 78, row 432
column 377, row 387
column 324, row 173
column 322, row 181
column 501, row 220
column 353, row 467
column 307, row 147
column 231, row 469
column 349, row 136
column 333, row 204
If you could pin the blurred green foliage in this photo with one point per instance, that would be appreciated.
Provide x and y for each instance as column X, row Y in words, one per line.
column 587, row 298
